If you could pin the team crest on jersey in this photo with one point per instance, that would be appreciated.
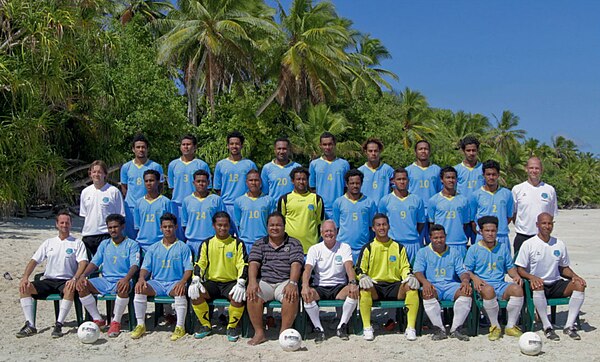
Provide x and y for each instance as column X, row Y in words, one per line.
column 500, row 258
column 556, row 253
column 229, row 255
column 287, row 248
column 393, row 258
column 105, row 200
column 311, row 207
column 544, row 195
column 338, row 259
column 69, row 251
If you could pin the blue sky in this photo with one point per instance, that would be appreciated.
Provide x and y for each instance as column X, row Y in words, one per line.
column 538, row 59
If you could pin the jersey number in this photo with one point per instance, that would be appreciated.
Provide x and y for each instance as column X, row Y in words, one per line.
column 330, row 177
column 471, row 184
column 200, row 215
column 282, row 181
column 494, row 208
column 403, row 214
column 254, row 214
column 138, row 181
column 374, row 185
column 186, row 178
column 440, row 272
column 166, row 264
column 450, row 214
column 150, row 217
column 492, row 266
column 424, row 184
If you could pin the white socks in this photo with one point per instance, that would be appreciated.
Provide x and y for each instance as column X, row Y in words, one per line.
column 65, row 307
column 541, row 306
column 434, row 312
column 492, row 308
column 313, row 312
column 89, row 303
column 575, row 304
column 462, row 307
column 347, row 309
column 180, row 310
column 513, row 308
column 120, row 305
column 27, row 306
column 140, row 302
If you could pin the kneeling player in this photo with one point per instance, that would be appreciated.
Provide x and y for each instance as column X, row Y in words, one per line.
column 488, row 261
column 439, row 267
column 384, row 273
column 169, row 262
column 119, row 258
column 330, row 264
column 223, row 270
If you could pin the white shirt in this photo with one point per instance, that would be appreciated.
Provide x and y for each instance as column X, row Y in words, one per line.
column 530, row 201
column 96, row 205
column 542, row 259
column 328, row 263
column 63, row 256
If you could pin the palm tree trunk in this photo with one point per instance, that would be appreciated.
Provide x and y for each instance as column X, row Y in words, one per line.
column 269, row 100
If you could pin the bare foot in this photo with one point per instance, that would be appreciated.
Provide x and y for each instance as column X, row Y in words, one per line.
column 257, row 339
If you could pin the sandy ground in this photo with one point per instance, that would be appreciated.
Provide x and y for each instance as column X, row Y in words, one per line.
column 20, row 237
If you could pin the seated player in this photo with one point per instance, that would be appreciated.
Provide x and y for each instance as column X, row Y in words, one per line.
column 220, row 272
column 67, row 259
column 119, row 258
column 488, row 261
column 198, row 210
column 278, row 259
column 544, row 261
column 169, row 263
column 439, row 268
column 384, row 273
column 330, row 265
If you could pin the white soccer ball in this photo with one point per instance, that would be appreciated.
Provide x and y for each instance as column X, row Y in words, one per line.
column 88, row 332
column 290, row 340
column 530, row 343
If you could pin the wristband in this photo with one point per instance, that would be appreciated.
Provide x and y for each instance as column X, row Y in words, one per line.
column 293, row 283
column 353, row 282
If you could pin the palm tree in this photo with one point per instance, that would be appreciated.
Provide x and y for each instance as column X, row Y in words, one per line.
column 313, row 63
column 414, row 111
column 363, row 64
column 214, row 41
column 504, row 138
column 149, row 9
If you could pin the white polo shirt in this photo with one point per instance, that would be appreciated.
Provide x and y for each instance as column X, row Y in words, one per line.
column 328, row 263
column 542, row 259
column 530, row 201
column 96, row 205
column 63, row 256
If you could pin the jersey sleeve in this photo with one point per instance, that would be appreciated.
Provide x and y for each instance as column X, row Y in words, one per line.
column 242, row 260
column 382, row 207
column 320, row 209
column 564, row 259
column 256, row 252
column 404, row 264
column 554, row 203
column 98, row 258
column 372, row 212
column 311, row 256
column 459, row 265
column 473, row 206
column 419, row 266
column 466, row 213
column 237, row 211
column 346, row 252
column 296, row 253
column 147, row 263
column 337, row 212
column 470, row 259
column 508, row 260
column 203, row 259
column 186, row 257
column 220, row 204
column 41, row 253
column 515, row 202
column 281, row 207
column 134, row 254
column 218, row 182
column 184, row 213
column 124, row 178
column 522, row 259
column 136, row 216
column 119, row 204
column 431, row 209
column 363, row 260
column 510, row 206
column 82, row 208
column 312, row 175
column 81, row 252
column 421, row 218
column 160, row 170
column 171, row 174
column 264, row 178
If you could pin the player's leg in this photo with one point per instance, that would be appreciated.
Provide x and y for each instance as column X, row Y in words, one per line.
column 68, row 294
column 434, row 313
column 411, row 299
column 491, row 307
column 312, row 309
column 26, row 300
column 347, row 310
column 201, row 308
column 255, row 312
column 514, row 294
column 365, row 304
column 462, row 307
column 236, row 310
column 576, row 291
column 122, row 289
column 541, row 306
column 289, row 309
column 140, row 304
column 181, row 306
column 89, row 302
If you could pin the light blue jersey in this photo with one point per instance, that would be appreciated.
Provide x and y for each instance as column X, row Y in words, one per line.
column 499, row 204
column 276, row 180
column 327, row 178
column 147, row 215
column 490, row 265
column 354, row 220
column 377, row 183
column 452, row 213
column 424, row 182
column 197, row 216
column 168, row 264
column 439, row 268
column 132, row 175
column 404, row 214
column 180, row 176
column 469, row 179
column 250, row 216
column 230, row 178
column 116, row 259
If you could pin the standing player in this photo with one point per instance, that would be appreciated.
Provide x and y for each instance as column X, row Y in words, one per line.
column 377, row 174
column 492, row 200
column 148, row 211
column 424, row 179
column 329, row 264
column 198, row 211
column 353, row 213
column 469, row 173
column 384, row 273
column 544, row 261
column 98, row 200
column 303, row 210
column 532, row 198
column 168, row 263
column 180, row 174
column 221, row 272
column 119, row 258
column 327, row 173
column 451, row 210
column 441, row 271
column 67, row 259
column 230, row 174
column 251, row 211
column 489, row 261
column 406, row 213
column 275, row 175
column 132, row 180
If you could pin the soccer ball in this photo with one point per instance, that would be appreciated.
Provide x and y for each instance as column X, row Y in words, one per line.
column 530, row 344
column 290, row 340
column 88, row 332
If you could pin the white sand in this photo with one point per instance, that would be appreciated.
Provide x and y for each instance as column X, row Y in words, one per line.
column 20, row 237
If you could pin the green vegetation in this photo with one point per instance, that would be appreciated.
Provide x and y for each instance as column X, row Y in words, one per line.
column 79, row 78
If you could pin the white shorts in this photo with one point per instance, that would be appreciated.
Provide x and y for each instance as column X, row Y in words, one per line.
column 272, row 291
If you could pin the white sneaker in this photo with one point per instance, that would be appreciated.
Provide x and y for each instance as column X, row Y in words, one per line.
column 411, row 334
column 368, row 334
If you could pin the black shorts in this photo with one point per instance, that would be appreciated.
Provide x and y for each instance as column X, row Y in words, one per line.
column 329, row 293
column 46, row 287
column 218, row 290
column 556, row 289
column 92, row 242
column 387, row 291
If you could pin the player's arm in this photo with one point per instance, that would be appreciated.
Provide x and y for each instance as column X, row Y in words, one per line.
column 514, row 275
column 306, row 283
column 290, row 291
column 89, row 269
column 535, row 282
column 465, row 283
column 428, row 288
column 352, row 283
column 253, row 289
column 25, row 283
column 567, row 272
column 71, row 284
column 242, row 261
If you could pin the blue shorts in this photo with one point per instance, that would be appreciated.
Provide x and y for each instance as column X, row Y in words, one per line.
column 412, row 248
column 462, row 248
column 162, row 289
column 446, row 290
column 105, row 286
column 232, row 227
column 499, row 288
